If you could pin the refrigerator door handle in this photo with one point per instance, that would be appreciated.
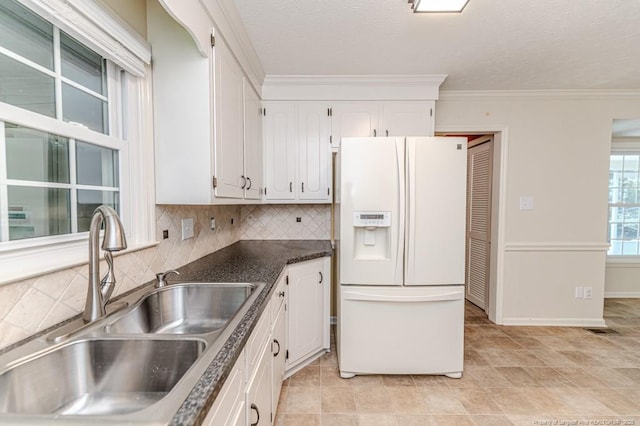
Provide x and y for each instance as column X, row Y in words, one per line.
column 400, row 167
column 452, row 295
column 410, row 212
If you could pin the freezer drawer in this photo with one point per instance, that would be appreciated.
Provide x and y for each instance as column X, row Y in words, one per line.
column 404, row 330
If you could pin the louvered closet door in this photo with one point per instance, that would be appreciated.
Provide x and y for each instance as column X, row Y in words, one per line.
column 479, row 173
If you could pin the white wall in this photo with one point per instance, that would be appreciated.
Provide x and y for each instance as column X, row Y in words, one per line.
column 557, row 151
column 622, row 280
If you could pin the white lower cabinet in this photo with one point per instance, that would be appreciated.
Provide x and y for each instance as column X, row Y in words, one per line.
column 229, row 407
column 308, row 316
column 259, row 390
column 296, row 322
column 278, row 349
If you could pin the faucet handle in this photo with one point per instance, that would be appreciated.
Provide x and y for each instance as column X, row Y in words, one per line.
column 162, row 277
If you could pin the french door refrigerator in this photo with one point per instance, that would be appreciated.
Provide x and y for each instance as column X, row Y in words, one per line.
column 401, row 255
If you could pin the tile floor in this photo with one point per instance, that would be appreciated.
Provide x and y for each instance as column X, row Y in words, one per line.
column 512, row 376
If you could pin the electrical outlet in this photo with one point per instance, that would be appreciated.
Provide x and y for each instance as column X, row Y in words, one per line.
column 187, row 228
column 579, row 292
column 165, row 234
column 213, row 223
column 588, row 292
column 298, row 219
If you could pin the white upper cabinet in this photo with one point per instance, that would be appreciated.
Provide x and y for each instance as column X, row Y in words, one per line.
column 297, row 154
column 279, row 150
column 354, row 119
column 229, row 124
column 207, row 123
column 389, row 118
column 238, row 130
column 183, row 138
column 313, row 151
column 411, row 118
column 252, row 143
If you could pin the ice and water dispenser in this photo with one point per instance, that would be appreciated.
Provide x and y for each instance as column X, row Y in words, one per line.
column 372, row 235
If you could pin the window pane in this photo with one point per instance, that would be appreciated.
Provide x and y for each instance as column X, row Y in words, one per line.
column 25, row 33
column 26, row 88
column 616, row 231
column 96, row 165
column 81, row 107
column 38, row 212
column 36, row 156
column 615, row 195
column 615, row 164
column 631, row 214
column 88, row 201
column 615, row 248
column 616, row 214
column 630, row 195
column 630, row 231
column 630, row 248
column 631, row 163
column 82, row 65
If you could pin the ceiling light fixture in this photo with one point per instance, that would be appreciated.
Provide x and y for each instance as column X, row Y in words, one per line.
column 438, row 6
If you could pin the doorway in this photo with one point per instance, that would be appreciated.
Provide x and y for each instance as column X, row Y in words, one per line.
column 486, row 155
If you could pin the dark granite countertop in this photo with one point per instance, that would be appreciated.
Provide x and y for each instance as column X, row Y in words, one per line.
column 244, row 261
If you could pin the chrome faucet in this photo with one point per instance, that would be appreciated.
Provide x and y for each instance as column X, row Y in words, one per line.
column 114, row 239
column 162, row 277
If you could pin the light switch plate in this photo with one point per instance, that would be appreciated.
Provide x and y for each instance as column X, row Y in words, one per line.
column 526, row 202
column 187, row 228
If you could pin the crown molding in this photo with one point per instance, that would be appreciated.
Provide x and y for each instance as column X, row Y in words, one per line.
column 352, row 87
column 631, row 94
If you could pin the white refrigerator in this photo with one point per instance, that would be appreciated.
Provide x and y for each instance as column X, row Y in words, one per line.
column 401, row 219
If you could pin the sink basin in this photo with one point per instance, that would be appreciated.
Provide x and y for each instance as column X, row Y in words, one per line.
column 97, row 377
column 188, row 308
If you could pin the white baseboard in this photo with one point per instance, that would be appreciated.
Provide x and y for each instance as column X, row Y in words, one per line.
column 622, row 294
column 562, row 322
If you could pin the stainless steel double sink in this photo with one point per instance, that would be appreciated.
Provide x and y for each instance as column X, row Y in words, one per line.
column 117, row 368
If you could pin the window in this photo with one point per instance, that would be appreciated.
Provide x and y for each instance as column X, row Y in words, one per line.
column 53, row 182
column 624, row 204
column 72, row 93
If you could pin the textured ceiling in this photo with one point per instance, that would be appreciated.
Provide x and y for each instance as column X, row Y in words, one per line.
column 491, row 45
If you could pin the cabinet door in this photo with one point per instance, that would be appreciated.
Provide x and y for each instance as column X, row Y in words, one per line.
column 309, row 284
column 411, row 118
column 278, row 349
column 252, row 143
column 354, row 119
column 259, row 389
column 229, row 123
column 279, row 150
column 313, row 151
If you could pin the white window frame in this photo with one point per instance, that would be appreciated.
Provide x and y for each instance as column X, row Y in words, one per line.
column 621, row 146
column 130, row 132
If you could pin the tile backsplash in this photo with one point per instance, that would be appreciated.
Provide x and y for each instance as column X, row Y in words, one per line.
column 31, row 305
column 280, row 222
